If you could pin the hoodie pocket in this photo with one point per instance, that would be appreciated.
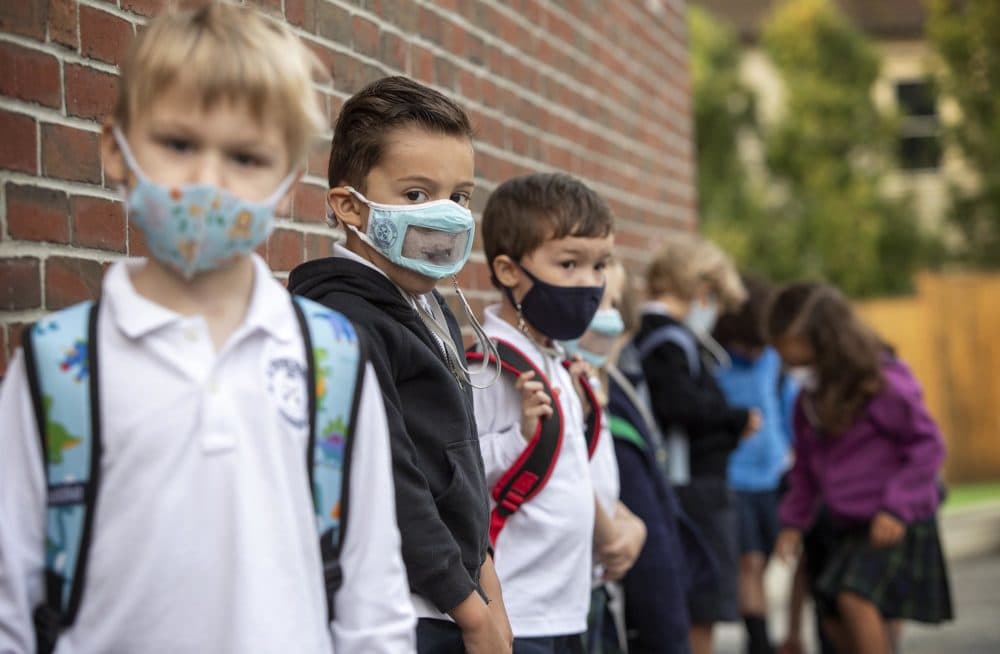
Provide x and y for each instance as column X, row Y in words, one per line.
column 464, row 505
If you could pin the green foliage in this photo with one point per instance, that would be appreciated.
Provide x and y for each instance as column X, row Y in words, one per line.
column 966, row 36
column 824, row 214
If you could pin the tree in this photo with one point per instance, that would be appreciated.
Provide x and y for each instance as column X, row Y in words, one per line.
column 820, row 210
column 965, row 35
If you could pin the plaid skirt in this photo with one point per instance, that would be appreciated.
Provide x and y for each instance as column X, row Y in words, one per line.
column 908, row 581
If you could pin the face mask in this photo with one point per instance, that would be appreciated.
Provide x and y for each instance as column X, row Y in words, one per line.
column 806, row 377
column 432, row 238
column 197, row 227
column 599, row 339
column 560, row 312
column 702, row 316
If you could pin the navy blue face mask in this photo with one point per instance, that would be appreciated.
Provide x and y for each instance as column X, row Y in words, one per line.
column 560, row 312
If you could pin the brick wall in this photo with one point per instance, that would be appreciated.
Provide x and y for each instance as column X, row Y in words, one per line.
column 598, row 88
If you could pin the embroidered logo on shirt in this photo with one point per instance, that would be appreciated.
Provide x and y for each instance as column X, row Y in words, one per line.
column 286, row 382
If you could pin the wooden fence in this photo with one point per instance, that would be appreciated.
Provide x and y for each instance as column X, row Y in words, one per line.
column 948, row 333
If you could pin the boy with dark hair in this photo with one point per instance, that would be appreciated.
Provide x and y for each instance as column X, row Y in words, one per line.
column 755, row 466
column 547, row 239
column 161, row 482
column 401, row 175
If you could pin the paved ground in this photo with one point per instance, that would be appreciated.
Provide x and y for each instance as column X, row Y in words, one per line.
column 975, row 590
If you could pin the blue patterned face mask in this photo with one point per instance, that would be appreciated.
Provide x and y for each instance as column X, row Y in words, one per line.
column 197, row 227
column 597, row 342
column 431, row 238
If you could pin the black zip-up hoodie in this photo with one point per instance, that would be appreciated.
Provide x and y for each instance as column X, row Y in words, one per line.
column 442, row 504
column 692, row 401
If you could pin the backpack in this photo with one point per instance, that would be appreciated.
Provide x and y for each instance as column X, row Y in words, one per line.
column 528, row 475
column 678, row 464
column 63, row 374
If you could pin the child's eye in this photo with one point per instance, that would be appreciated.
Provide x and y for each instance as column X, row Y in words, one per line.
column 461, row 199
column 178, row 145
column 248, row 159
column 568, row 265
column 602, row 265
column 416, row 196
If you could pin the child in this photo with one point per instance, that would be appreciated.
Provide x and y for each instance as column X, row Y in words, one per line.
column 688, row 283
column 547, row 239
column 867, row 449
column 401, row 175
column 755, row 379
column 203, row 531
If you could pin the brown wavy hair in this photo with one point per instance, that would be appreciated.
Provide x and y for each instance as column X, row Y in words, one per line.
column 848, row 355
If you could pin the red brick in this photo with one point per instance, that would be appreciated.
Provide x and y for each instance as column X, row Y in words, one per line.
column 319, row 246
column 5, row 351
column 69, row 280
column 20, row 148
column 137, row 243
column 20, row 284
column 365, row 36
column 98, row 223
column 24, row 17
column 37, row 214
column 63, row 22
column 285, row 249
column 301, row 13
column 272, row 7
column 310, row 204
column 319, row 161
column 333, row 23
column 90, row 93
column 70, row 153
column 104, row 36
column 394, row 50
column 29, row 75
column 144, row 7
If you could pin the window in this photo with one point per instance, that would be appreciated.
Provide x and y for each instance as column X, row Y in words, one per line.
column 919, row 138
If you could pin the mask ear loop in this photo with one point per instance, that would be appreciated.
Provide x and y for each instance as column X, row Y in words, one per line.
column 489, row 348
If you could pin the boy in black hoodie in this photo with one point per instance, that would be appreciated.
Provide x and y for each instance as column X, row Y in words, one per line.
column 401, row 175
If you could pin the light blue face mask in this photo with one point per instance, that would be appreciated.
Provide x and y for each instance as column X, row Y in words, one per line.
column 605, row 328
column 702, row 317
column 196, row 227
column 431, row 238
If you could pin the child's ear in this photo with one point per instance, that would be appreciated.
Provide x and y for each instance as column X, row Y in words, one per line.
column 112, row 158
column 346, row 207
column 506, row 271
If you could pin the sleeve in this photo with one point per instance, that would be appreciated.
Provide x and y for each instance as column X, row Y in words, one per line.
column 498, row 421
column 22, row 512
column 912, row 492
column 432, row 556
column 649, row 607
column 678, row 399
column 799, row 504
column 373, row 608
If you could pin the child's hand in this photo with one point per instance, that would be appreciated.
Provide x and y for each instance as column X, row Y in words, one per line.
column 619, row 555
column 886, row 530
column 754, row 422
column 535, row 403
column 788, row 545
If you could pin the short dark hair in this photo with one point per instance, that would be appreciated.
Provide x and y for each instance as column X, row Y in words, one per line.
column 524, row 212
column 374, row 111
column 745, row 326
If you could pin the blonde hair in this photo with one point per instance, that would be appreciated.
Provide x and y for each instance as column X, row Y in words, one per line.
column 687, row 260
column 226, row 52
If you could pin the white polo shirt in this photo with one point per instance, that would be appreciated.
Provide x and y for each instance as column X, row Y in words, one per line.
column 543, row 554
column 205, row 538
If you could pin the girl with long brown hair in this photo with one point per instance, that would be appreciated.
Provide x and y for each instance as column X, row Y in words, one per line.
column 867, row 449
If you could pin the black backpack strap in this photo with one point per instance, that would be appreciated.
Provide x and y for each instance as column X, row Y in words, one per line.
column 61, row 364
column 531, row 471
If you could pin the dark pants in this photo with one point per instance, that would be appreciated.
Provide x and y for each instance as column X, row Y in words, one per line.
column 550, row 645
column 439, row 637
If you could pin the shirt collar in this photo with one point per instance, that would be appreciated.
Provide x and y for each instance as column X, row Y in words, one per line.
column 138, row 316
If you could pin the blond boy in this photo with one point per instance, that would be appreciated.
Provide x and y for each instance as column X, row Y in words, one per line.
column 204, row 538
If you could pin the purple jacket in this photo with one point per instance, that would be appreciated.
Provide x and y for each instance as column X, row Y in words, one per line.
column 888, row 460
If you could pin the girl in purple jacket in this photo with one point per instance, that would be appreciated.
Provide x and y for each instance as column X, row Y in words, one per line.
column 869, row 452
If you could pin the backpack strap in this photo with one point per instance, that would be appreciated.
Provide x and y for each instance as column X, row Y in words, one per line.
column 624, row 430
column 61, row 364
column 678, row 336
column 334, row 360
column 595, row 418
column 531, row 471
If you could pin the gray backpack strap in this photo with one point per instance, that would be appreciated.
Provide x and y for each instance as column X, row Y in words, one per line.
column 678, row 336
